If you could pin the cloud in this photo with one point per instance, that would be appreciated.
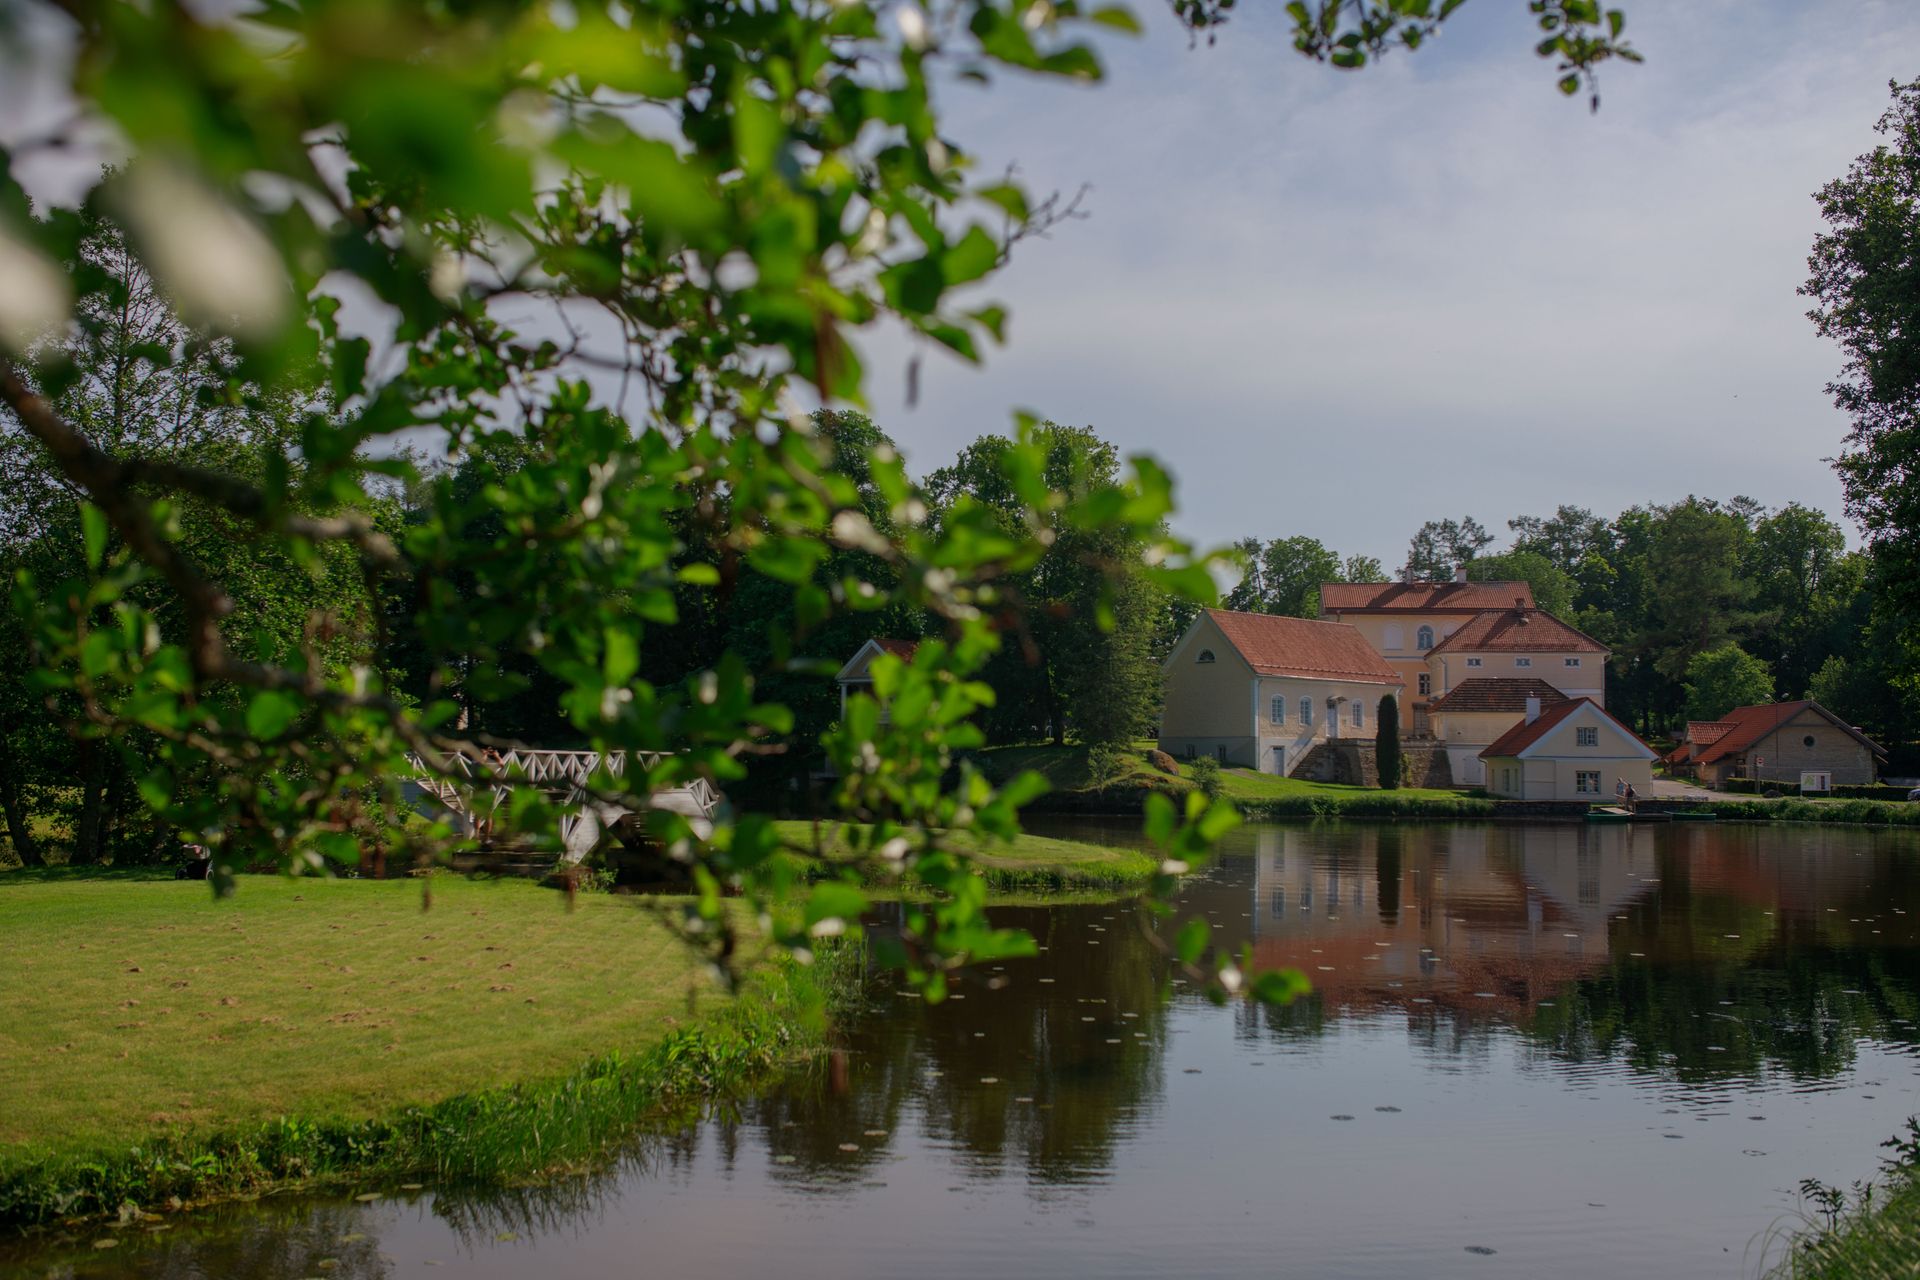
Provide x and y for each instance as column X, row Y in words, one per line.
column 1344, row 304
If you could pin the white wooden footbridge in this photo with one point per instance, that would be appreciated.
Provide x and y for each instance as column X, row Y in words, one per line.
column 475, row 793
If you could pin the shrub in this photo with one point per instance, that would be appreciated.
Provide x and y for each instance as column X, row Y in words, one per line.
column 1205, row 772
column 1386, row 743
column 1104, row 763
column 1844, row 791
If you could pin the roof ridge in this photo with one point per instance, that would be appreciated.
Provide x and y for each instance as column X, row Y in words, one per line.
column 1288, row 617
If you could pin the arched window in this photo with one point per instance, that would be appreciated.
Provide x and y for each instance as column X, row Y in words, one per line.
column 1206, row 655
column 1423, row 639
column 1306, row 712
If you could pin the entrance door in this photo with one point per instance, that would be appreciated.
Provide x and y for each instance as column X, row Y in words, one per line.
column 1280, row 761
column 1333, row 721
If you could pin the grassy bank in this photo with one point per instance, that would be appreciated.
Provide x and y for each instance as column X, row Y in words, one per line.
column 158, row 1044
column 1859, row 812
column 1871, row 1236
column 1124, row 787
column 1031, row 863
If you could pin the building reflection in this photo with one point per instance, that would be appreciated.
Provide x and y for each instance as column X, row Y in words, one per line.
column 1483, row 918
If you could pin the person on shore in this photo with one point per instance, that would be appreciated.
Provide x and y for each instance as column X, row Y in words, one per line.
column 199, row 863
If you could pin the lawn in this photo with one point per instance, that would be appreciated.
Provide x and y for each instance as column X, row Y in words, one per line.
column 1067, row 769
column 1029, row 862
column 133, row 1008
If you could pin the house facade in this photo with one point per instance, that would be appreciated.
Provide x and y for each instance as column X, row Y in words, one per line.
column 856, row 677
column 1473, row 715
column 1405, row 621
column 1571, row 751
column 1258, row 691
column 1778, row 742
column 1520, row 642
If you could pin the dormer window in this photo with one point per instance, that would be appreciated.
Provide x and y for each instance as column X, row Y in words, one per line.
column 1206, row 655
column 1423, row 639
column 1523, row 662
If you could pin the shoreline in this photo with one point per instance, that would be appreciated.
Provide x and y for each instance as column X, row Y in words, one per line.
column 1390, row 807
column 525, row 1131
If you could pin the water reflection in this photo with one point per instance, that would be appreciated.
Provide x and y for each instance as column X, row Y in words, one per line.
column 1478, row 990
column 1705, row 951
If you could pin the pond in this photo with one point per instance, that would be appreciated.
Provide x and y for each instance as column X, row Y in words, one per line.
column 1531, row 1050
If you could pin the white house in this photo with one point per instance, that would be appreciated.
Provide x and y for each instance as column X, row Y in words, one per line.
column 1258, row 691
column 855, row 678
column 1572, row 751
column 1472, row 716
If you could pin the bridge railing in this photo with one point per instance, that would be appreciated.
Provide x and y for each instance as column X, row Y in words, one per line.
column 454, row 779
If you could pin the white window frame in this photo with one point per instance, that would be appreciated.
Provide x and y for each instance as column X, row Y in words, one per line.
column 1473, row 662
column 1423, row 639
column 1523, row 662
column 1277, row 713
column 1306, row 711
column 1359, row 713
column 1580, row 777
column 1572, row 662
column 1426, row 684
column 1586, row 735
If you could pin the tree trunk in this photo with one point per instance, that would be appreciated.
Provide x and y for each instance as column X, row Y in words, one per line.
column 19, row 825
column 1056, row 719
column 113, row 807
column 86, row 836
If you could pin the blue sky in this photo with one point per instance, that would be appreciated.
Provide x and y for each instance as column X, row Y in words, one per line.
column 1341, row 304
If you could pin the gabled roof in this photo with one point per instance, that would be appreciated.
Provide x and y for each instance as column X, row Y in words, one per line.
column 1277, row 646
column 1420, row 597
column 1496, row 693
column 901, row 649
column 1704, row 733
column 1748, row 725
column 1516, row 741
column 1512, row 630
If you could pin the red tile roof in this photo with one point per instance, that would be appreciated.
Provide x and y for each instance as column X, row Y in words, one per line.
column 1748, row 725
column 1420, row 597
column 1524, row 735
column 1496, row 693
column 1703, row 733
column 1277, row 646
column 1518, row 631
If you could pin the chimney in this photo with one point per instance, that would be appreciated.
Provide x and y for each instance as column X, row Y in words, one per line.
column 1533, row 708
column 1460, row 573
column 1520, row 603
column 1406, row 574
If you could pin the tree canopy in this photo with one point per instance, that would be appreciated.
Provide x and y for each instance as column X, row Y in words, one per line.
column 583, row 258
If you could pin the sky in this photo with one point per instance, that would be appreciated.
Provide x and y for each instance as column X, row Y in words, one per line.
column 1341, row 304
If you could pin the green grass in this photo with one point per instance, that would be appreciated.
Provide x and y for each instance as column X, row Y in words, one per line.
column 1245, row 784
column 156, row 1042
column 1030, row 863
column 1259, row 795
column 1858, row 812
column 1872, row 1233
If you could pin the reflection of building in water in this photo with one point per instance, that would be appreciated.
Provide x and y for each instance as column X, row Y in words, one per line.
column 1486, row 918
